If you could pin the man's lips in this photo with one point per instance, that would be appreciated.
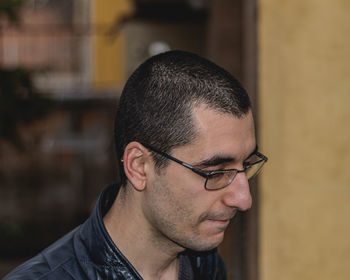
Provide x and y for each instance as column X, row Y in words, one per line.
column 220, row 218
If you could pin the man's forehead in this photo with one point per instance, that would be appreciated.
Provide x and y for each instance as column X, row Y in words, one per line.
column 222, row 133
column 204, row 116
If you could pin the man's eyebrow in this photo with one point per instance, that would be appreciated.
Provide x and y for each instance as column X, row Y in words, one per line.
column 217, row 159
column 213, row 161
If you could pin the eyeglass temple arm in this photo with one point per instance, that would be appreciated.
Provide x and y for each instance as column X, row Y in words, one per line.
column 199, row 172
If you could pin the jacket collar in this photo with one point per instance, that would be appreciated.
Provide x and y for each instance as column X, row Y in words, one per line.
column 96, row 239
column 102, row 250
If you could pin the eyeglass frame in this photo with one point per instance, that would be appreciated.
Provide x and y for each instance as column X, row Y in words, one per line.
column 207, row 174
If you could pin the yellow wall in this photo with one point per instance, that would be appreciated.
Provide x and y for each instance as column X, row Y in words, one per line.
column 108, row 49
column 305, row 130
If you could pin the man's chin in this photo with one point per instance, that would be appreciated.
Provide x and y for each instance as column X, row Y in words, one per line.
column 206, row 244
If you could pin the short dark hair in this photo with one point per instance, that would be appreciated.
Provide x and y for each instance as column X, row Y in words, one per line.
column 157, row 101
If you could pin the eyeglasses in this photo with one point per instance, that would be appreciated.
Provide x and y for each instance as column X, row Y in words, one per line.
column 218, row 179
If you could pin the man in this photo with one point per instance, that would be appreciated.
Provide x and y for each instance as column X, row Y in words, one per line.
column 185, row 138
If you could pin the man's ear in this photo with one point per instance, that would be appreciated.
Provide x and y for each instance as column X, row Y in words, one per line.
column 134, row 159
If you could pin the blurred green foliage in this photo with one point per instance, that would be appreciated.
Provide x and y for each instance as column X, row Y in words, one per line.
column 9, row 8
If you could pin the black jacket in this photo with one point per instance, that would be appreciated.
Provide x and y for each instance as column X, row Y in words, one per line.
column 88, row 252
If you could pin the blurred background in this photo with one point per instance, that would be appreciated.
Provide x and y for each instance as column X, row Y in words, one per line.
column 63, row 65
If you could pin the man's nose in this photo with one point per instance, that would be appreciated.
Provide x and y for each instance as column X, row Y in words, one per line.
column 237, row 194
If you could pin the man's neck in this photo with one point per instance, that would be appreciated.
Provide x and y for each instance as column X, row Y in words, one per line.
column 151, row 254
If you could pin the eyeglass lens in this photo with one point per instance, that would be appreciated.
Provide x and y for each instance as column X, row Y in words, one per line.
column 221, row 179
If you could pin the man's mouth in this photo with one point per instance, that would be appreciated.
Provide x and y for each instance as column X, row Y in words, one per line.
column 224, row 221
column 223, row 218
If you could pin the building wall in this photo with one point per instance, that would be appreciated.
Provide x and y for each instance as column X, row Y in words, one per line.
column 108, row 42
column 304, row 69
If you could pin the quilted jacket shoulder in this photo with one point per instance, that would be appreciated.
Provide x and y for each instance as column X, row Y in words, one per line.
column 88, row 252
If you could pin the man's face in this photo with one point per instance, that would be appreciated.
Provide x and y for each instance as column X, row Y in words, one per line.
column 178, row 207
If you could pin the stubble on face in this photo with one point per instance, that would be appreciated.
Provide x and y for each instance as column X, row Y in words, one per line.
column 179, row 210
column 174, row 222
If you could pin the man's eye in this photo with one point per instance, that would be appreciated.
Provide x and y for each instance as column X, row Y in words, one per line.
column 215, row 175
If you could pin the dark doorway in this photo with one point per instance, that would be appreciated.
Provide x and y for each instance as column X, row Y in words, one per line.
column 232, row 43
